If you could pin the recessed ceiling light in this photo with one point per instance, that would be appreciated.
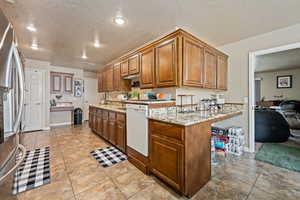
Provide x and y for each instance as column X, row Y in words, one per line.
column 31, row 28
column 84, row 56
column 34, row 46
column 119, row 20
column 97, row 44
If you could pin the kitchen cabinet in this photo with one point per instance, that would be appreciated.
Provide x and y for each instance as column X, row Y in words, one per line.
column 100, row 82
column 117, row 77
column 177, row 60
column 124, row 68
column 110, row 125
column 210, row 69
column 134, row 65
column 222, row 72
column 105, row 124
column 61, row 83
column 147, row 70
column 193, row 67
column 180, row 155
column 167, row 161
column 166, row 63
column 109, row 79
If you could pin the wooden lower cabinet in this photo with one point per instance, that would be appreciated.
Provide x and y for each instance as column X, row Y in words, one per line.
column 180, row 155
column 110, row 125
column 167, row 161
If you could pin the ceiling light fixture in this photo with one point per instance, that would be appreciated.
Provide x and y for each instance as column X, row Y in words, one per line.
column 31, row 28
column 119, row 20
column 97, row 44
column 34, row 46
column 84, row 56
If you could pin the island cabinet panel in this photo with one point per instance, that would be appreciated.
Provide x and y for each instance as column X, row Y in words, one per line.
column 222, row 72
column 124, row 68
column 210, row 69
column 166, row 63
column 180, row 155
column 193, row 63
column 147, row 74
column 167, row 161
column 134, row 65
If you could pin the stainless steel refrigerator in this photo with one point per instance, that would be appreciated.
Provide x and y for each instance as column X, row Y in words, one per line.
column 11, row 108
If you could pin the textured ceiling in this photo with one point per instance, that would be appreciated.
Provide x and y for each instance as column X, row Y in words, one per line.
column 66, row 27
column 278, row 61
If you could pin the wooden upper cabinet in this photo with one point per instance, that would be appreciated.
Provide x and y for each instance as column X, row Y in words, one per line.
column 134, row 65
column 222, row 73
column 124, row 68
column 210, row 69
column 147, row 74
column 117, row 76
column 110, row 79
column 166, row 63
column 100, row 82
column 193, row 63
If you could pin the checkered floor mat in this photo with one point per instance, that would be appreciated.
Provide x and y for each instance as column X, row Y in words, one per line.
column 108, row 156
column 33, row 172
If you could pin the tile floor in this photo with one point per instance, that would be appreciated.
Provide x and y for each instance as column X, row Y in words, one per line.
column 76, row 175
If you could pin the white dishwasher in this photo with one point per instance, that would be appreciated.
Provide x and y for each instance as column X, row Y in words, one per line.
column 137, row 127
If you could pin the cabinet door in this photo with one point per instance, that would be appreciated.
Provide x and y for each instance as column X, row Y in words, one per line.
column 166, row 161
column 68, row 83
column 90, row 117
column 100, row 82
column 117, row 77
column 222, row 73
column 110, row 79
column 147, row 74
column 134, row 65
column 55, row 82
column 193, row 63
column 105, row 124
column 121, row 136
column 99, row 122
column 124, row 68
column 166, row 63
column 112, row 127
column 210, row 69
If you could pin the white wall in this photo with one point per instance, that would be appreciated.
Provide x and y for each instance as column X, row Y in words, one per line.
column 238, row 53
column 47, row 67
column 269, row 84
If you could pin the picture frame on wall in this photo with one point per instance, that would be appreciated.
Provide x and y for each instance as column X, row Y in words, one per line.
column 284, row 81
column 78, row 87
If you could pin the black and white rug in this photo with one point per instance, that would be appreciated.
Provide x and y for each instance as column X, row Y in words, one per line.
column 108, row 156
column 34, row 171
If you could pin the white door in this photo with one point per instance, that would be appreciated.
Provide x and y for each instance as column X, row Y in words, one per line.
column 90, row 95
column 33, row 100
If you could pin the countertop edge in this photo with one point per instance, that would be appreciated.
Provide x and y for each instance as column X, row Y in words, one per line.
column 110, row 109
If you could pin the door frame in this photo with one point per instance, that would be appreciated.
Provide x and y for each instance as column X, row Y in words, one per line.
column 251, row 98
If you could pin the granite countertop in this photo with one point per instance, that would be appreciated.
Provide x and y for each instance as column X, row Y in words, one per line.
column 149, row 102
column 188, row 119
column 116, row 108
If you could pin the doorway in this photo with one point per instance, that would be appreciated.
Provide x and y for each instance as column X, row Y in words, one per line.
column 252, row 86
column 90, row 95
column 34, row 99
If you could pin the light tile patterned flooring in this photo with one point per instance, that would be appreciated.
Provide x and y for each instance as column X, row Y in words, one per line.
column 76, row 175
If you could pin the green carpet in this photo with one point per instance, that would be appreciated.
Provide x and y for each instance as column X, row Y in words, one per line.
column 280, row 155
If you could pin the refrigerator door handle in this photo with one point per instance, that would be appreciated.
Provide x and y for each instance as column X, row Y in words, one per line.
column 23, row 150
column 21, row 87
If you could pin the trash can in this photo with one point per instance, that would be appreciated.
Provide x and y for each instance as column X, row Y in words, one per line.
column 77, row 116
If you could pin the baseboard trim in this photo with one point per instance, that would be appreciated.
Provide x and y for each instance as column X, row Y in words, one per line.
column 61, row 124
